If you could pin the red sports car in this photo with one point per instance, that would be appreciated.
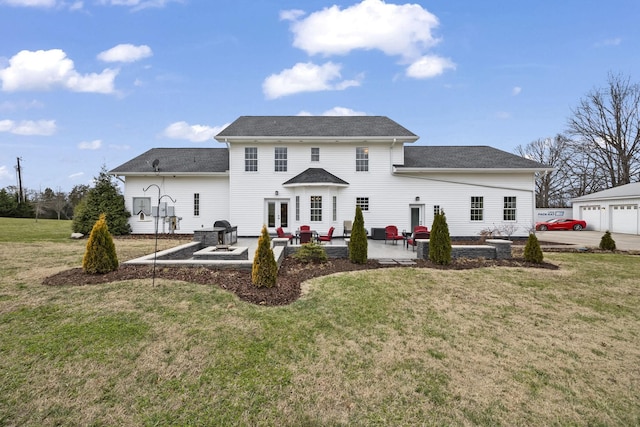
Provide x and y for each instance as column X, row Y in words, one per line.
column 561, row 224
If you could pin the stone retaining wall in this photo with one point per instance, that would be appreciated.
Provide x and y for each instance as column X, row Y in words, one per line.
column 492, row 249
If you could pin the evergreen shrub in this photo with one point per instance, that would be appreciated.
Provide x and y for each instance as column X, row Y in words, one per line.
column 358, row 245
column 440, row 240
column 532, row 250
column 311, row 252
column 264, row 270
column 607, row 243
column 100, row 256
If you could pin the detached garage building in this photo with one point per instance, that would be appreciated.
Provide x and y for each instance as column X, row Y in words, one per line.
column 615, row 209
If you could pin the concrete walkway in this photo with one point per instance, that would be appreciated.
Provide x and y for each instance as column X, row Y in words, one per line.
column 590, row 239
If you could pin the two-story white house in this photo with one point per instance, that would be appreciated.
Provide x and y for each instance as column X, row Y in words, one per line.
column 288, row 171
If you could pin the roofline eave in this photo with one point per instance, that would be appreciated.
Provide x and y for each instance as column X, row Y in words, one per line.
column 402, row 170
column 314, row 139
column 173, row 174
column 315, row 184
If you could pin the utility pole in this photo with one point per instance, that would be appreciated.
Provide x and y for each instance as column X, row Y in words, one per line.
column 21, row 198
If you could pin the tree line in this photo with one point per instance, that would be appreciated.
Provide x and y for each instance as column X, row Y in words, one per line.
column 83, row 205
column 600, row 149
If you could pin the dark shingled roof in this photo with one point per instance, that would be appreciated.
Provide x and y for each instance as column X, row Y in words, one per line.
column 315, row 127
column 315, row 176
column 464, row 157
column 177, row 160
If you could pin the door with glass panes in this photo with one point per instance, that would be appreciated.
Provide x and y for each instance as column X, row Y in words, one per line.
column 277, row 212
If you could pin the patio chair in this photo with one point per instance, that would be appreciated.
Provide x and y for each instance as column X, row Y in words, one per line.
column 327, row 237
column 305, row 236
column 411, row 241
column 347, row 227
column 283, row 235
column 391, row 233
column 305, row 228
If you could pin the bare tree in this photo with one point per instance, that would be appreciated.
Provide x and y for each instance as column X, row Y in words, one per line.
column 551, row 187
column 606, row 127
column 59, row 203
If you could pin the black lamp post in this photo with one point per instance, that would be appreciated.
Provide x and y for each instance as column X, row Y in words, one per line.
column 155, row 252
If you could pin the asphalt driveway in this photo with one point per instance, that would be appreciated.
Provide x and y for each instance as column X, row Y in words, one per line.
column 590, row 239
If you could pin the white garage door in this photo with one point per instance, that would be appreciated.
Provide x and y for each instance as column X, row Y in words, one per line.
column 624, row 219
column 591, row 214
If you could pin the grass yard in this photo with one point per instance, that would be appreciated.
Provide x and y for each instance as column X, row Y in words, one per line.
column 403, row 346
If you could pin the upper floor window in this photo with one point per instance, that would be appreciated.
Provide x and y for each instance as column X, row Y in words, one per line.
column 362, row 159
column 509, row 211
column 196, row 204
column 477, row 208
column 363, row 202
column 280, row 159
column 316, row 208
column 251, row 159
column 315, row 154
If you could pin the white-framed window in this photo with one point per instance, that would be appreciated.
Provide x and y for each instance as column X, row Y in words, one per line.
column 142, row 207
column 362, row 159
column 436, row 210
column 509, row 210
column 297, row 208
column 363, row 202
column 251, row 159
column 477, row 208
column 196, row 204
column 280, row 155
column 315, row 154
column 316, row 208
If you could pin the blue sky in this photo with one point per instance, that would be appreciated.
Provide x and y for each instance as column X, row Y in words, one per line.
column 86, row 83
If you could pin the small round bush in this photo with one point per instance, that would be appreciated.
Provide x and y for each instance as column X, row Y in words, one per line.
column 311, row 252
column 607, row 243
column 532, row 250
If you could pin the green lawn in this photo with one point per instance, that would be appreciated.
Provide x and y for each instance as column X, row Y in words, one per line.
column 404, row 346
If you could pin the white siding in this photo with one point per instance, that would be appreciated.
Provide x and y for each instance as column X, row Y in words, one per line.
column 390, row 196
column 214, row 197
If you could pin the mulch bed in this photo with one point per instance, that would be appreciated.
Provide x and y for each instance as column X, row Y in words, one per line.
column 291, row 274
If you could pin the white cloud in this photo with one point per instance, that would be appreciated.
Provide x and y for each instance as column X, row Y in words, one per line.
column 4, row 173
column 193, row 133
column 139, row 4
column 20, row 105
column 29, row 127
column 429, row 66
column 29, row 3
column 516, row 91
column 397, row 30
column 336, row 111
column 47, row 69
column 306, row 77
column 90, row 145
column 291, row 15
column 609, row 42
column 125, row 53
column 76, row 175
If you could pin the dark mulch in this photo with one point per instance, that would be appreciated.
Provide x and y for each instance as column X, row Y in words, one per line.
column 291, row 274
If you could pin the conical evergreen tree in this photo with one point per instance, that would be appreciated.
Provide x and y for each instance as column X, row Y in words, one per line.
column 440, row 240
column 100, row 256
column 264, row 270
column 607, row 243
column 358, row 245
column 532, row 250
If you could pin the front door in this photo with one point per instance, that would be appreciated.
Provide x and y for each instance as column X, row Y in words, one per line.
column 417, row 215
column 277, row 214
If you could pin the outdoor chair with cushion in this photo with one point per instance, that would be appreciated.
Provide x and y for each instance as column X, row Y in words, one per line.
column 283, row 235
column 391, row 233
column 305, row 228
column 326, row 237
